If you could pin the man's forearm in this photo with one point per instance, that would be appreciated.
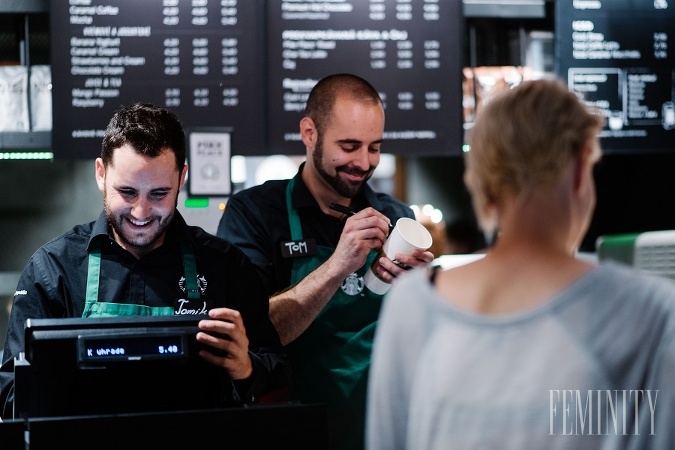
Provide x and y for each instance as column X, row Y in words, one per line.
column 293, row 310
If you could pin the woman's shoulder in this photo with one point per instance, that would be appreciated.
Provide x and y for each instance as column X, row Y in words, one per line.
column 632, row 279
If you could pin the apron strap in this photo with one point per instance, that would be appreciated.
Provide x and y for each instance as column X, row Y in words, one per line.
column 93, row 272
column 293, row 218
column 190, row 268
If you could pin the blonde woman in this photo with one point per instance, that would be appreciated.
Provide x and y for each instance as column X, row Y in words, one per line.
column 528, row 347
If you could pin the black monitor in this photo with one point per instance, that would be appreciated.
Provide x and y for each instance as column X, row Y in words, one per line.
column 115, row 365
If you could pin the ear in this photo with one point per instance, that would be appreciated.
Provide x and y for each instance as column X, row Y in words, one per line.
column 308, row 132
column 183, row 174
column 583, row 165
column 100, row 174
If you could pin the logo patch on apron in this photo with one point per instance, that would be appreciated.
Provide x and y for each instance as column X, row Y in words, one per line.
column 201, row 283
column 353, row 284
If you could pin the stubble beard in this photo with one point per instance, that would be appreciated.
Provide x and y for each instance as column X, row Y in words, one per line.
column 142, row 244
column 345, row 189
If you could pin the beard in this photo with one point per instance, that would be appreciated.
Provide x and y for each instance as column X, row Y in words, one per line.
column 142, row 242
column 346, row 189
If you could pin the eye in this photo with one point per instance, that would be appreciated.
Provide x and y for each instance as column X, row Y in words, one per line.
column 159, row 195
column 127, row 192
column 349, row 148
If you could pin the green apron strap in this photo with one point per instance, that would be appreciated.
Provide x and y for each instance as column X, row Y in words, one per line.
column 190, row 268
column 93, row 272
column 293, row 218
column 331, row 358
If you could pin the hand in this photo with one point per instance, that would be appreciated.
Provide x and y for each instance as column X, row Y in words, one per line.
column 388, row 270
column 363, row 231
column 225, row 332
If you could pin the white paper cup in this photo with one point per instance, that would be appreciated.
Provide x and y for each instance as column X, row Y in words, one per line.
column 407, row 235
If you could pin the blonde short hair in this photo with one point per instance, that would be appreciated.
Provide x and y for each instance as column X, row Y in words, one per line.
column 524, row 138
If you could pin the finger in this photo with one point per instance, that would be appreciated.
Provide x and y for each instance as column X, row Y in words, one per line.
column 423, row 255
column 218, row 328
column 401, row 265
column 215, row 346
column 218, row 358
column 406, row 261
column 227, row 314
column 359, row 240
column 428, row 257
column 388, row 269
column 370, row 218
column 416, row 259
column 211, row 358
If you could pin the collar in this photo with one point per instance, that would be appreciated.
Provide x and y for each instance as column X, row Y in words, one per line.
column 303, row 198
column 176, row 231
column 100, row 231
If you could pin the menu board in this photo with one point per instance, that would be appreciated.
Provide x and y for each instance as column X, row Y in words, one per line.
column 199, row 58
column 619, row 56
column 248, row 65
column 411, row 51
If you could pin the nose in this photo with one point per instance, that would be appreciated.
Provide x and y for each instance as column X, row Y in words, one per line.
column 363, row 159
column 141, row 208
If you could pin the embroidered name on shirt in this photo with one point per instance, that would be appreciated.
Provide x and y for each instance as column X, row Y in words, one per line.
column 195, row 307
column 295, row 249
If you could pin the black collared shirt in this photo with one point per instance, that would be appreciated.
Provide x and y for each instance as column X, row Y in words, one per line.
column 53, row 285
column 256, row 220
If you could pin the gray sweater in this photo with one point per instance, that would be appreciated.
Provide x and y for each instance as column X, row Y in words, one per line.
column 592, row 368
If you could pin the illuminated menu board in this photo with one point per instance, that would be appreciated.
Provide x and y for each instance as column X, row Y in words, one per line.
column 247, row 66
column 411, row 51
column 619, row 55
column 200, row 58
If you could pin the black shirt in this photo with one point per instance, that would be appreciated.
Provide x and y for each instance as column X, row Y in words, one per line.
column 53, row 285
column 256, row 220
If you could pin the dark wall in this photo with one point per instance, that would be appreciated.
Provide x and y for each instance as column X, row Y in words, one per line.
column 634, row 195
column 635, row 192
column 438, row 180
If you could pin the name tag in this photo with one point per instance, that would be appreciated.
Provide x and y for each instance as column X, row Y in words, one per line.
column 194, row 306
column 296, row 249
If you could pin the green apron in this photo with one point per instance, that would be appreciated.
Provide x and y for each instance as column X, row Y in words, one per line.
column 331, row 358
column 94, row 308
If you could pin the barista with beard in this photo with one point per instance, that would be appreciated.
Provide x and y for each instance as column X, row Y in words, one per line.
column 140, row 258
column 312, row 258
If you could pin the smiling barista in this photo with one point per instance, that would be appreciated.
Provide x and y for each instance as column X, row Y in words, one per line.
column 312, row 259
column 140, row 258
